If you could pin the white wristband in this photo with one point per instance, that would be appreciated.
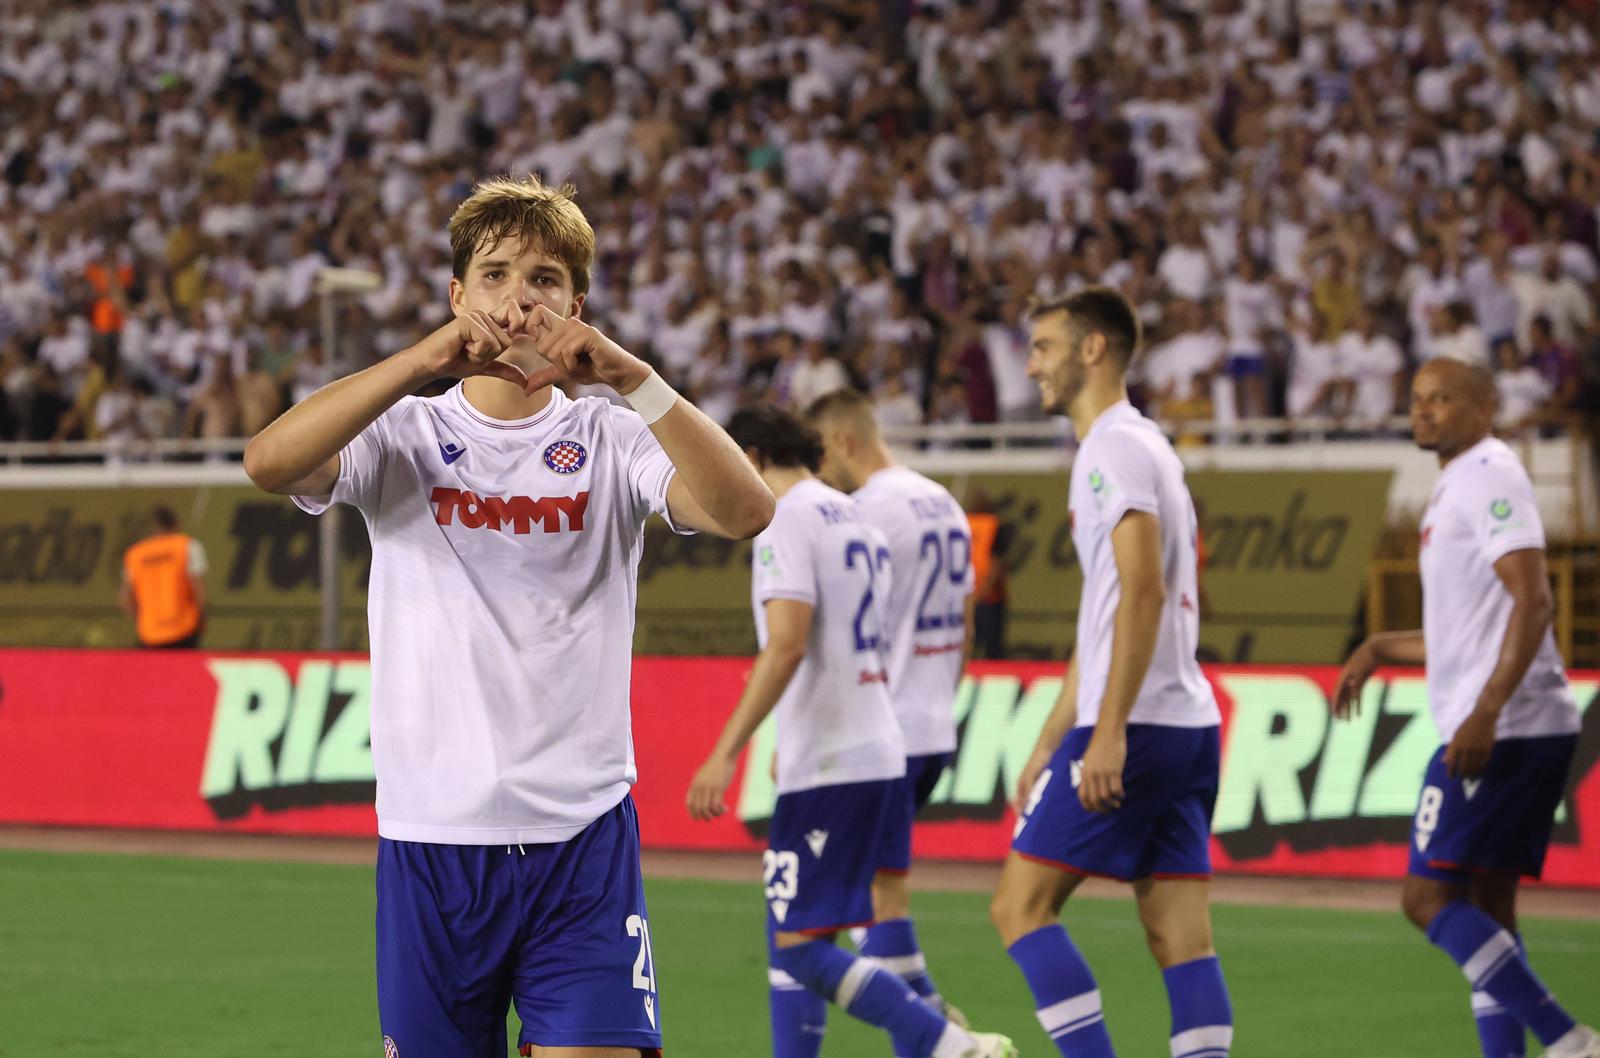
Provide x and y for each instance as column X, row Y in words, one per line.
column 652, row 399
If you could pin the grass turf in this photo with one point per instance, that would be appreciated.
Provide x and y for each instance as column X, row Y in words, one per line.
column 130, row 957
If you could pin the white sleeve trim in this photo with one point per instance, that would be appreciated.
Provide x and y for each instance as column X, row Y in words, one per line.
column 1499, row 549
column 768, row 594
column 666, row 506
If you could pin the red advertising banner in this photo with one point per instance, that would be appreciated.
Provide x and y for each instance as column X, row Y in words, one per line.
column 277, row 743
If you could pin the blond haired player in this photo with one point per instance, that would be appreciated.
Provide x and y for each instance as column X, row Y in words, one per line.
column 927, row 615
column 507, row 523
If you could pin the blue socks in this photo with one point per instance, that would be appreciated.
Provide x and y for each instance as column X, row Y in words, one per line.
column 873, row 994
column 1202, row 1016
column 799, row 1017
column 1494, row 965
column 892, row 944
column 1499, row 1034
column 1064, row 991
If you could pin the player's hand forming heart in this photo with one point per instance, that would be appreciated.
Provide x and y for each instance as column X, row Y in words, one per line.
column 581, row 353
column 1100, row 786
column 708, row 787
column 472, row 344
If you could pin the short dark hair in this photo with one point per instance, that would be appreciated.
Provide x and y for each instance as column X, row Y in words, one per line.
column 1096, row 310
column 165, row 518
column 776, row 436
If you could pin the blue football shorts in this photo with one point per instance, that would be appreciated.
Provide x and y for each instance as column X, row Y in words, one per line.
column 1162, row 829
column 1498, row 823
column 560, row 930
column 823, row 848
column 922, row 775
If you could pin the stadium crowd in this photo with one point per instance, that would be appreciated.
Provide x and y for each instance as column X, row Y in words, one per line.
column 1304, row 199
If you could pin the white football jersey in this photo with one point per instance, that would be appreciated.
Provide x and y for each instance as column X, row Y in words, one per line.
column 1481, row 510
column 836, row 724
column 1125, row 464
column 505, row 557
column 930, row 550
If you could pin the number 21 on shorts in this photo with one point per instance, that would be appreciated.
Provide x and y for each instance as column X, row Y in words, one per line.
column 644, row 967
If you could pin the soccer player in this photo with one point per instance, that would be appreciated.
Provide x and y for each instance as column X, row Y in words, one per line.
column 927, row 612
column 1499, row 698
column 507, row 522
column 1122, row 781
column 820, row 573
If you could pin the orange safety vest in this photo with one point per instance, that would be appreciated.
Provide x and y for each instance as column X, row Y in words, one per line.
column 158, row 571
column 103, row 314
column 985, row 528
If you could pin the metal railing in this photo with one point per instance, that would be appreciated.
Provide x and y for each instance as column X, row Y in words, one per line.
column 1058, row 432
column 167, row 449
column 1048, row 432
column 1380, row 619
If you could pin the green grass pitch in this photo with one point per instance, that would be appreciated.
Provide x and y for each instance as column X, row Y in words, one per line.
column 130, row 957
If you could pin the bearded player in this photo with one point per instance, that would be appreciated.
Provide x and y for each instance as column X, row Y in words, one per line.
column 507, row 524
column 1124, row 776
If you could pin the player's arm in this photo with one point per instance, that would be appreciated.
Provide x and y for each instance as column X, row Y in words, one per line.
column 1136, row 546
column 298, row 454
column 788, row 632
column 1527, row 580
column 197, row 589
column 715, row 489
column 1063, row 717
column 125, row 597
column 1383, row 648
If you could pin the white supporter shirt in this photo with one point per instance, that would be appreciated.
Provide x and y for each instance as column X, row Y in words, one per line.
column 930, row 551
column 505, row 556
column 836, row 724
column 1372, row 363
column 1481, row 510
column 1125, row 464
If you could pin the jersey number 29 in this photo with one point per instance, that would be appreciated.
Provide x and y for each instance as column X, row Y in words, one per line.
column 951, row 552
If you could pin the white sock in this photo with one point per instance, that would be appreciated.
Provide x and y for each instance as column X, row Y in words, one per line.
column 955, row 1043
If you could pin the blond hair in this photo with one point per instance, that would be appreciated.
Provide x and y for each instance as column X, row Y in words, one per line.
column 844, row 407
column 506, row 206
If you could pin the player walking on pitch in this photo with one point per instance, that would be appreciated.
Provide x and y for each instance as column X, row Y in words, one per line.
column 1125, row 773
column 1499, row 697
column 928, row 618
column 507, row 523
column 820, row 573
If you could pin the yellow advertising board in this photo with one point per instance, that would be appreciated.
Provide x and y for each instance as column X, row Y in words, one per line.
column 1287, row 557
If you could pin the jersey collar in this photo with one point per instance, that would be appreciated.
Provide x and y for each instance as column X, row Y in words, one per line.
column 1118, row 411
column 557, row 401
column 1481, row 450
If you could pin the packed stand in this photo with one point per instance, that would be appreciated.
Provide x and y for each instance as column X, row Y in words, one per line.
column 1304, row 200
